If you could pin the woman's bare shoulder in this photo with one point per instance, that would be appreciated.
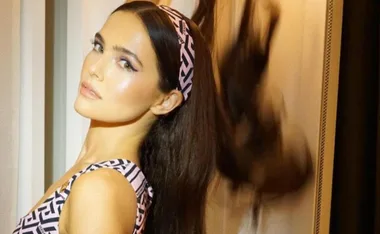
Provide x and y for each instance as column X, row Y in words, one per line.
column 101, row 201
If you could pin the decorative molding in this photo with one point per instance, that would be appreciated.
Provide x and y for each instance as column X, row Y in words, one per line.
column 334, row 14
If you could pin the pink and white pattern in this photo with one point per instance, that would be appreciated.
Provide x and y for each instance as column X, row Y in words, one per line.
column 187, row 52
column 45, row 219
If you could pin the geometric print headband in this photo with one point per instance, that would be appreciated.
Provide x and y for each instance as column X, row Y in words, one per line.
column 187, row 53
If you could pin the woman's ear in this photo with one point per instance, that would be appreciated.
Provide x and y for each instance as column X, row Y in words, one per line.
column 168, row 103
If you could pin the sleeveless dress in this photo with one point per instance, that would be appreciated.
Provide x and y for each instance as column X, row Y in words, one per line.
column 45, row 219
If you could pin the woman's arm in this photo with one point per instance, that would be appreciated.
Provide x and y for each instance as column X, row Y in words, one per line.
column 101, row 202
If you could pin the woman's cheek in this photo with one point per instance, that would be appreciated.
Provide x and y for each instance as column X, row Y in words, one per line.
column 117, row 81
column 123, row 86
column 129, row 90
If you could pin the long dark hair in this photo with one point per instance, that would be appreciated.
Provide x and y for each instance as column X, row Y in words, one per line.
column 177, row 156
column 259, row 157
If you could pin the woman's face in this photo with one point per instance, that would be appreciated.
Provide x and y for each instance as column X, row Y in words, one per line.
column 119, row 80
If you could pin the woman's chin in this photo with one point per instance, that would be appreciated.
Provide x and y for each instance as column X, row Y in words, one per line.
column 83, row 108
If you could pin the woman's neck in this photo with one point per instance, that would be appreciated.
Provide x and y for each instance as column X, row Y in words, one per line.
column 110, row 141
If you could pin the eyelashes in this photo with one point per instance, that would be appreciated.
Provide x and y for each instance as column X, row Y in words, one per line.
column 96, row 46
column 125, row 64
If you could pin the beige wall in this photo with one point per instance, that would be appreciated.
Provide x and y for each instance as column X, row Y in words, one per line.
column 21, row 108
column 9, row 110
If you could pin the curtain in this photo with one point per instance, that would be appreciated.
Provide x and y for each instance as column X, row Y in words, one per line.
column 355, row 204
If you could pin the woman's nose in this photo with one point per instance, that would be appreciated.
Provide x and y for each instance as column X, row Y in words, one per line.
column 96, row 71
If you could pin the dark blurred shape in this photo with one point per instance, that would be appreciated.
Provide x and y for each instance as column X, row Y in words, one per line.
column 261, row 155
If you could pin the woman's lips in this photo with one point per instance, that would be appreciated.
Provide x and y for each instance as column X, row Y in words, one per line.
column 88, row 91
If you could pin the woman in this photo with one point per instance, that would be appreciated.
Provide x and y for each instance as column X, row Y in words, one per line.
column 149, row 90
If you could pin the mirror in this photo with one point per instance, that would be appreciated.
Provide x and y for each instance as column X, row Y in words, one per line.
column 305, row 64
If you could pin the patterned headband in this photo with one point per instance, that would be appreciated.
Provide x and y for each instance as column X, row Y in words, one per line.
column 187, row 53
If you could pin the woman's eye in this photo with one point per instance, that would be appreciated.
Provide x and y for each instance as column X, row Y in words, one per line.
column 126, row 65
column 97, row 47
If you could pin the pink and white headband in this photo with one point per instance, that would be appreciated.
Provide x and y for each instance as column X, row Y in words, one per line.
column 187, row 53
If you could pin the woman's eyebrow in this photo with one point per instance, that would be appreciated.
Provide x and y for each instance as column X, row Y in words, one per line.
column 99, row 37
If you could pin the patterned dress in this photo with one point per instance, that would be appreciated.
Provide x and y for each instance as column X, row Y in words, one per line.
column 45, row 219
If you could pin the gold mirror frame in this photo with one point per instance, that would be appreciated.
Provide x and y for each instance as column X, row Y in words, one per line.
column 325, row 162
